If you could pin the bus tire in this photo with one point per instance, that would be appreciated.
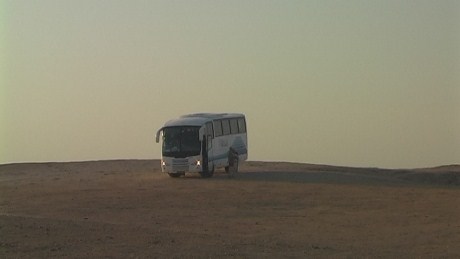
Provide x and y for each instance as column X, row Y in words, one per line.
column 208, row 173
column 233, row 169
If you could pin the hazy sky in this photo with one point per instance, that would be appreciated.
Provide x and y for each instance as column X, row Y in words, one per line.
column 359, row 83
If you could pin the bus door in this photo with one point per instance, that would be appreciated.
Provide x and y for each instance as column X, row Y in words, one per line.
column 209, row 137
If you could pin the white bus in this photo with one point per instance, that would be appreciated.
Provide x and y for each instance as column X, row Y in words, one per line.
column 203, row 142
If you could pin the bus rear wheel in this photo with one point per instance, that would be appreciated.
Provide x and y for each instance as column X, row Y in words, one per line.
column 233, row 168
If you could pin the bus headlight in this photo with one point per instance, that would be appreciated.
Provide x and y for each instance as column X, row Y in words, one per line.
column 198, row 162
column 163, row 163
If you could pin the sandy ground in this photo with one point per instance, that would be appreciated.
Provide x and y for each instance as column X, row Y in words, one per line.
column 129, row 209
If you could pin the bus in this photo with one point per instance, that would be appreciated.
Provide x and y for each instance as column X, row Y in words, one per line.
column 203, row 142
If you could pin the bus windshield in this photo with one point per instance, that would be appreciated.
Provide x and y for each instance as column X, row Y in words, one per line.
column 181, row 141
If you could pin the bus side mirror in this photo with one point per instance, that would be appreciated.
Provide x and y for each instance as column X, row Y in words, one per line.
column 157, row 137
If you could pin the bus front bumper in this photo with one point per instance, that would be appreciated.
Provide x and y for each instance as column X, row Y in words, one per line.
column 181, row 165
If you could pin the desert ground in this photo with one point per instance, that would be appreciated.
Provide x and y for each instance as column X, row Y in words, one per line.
column 129, row 209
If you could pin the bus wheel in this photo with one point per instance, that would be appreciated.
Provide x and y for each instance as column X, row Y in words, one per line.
column 233, row 168
column 174, row 175
column 207, row 173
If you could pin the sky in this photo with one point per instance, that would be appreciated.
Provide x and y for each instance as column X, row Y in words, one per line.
column 353, row 83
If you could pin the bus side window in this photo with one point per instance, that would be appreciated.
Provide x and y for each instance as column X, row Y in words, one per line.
column 225, row 127
column 209, row 131
column 241, row 125
column 218, row 128
column 234, row 126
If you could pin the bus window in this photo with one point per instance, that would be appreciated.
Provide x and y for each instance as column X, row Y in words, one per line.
column 241, row 125
column 218, row 128
column 209, row 131
column 234, row 126
column 225, row 127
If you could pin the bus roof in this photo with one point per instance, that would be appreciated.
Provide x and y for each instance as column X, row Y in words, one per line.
column 199, row 119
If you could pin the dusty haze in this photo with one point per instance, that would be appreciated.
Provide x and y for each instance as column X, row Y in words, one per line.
column 354, row 83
